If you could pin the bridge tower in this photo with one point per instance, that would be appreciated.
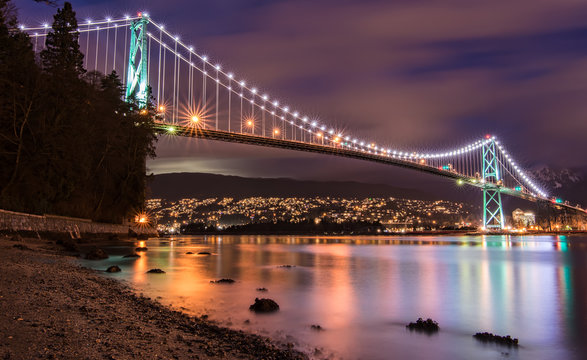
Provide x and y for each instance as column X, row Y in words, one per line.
column 492, row 209
column 137, row 81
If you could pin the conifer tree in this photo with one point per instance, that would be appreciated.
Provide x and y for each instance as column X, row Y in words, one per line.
column 62, row 55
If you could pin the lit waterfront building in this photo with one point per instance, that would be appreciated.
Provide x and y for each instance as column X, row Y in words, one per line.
column 523, row 219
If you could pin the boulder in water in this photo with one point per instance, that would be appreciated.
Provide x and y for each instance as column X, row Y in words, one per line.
column 155, row 271
column 264, row 306
column 113, row 269
column 420, row 325
column 96, row 254
column 223, row 281
column 133, row 255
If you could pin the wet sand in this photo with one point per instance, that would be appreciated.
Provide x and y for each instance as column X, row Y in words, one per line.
column 52, row 308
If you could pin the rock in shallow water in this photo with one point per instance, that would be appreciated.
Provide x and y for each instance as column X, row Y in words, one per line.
column 155, row 271
column 264, row 306
column 96, row 254
column 223, row 281
column 113, row 269
column 420, row 325
column 204, row 253
column 503, row 340
column 133, row 255
column 143, row 248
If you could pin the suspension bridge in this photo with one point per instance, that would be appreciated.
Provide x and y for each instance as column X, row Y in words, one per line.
column 195, row 97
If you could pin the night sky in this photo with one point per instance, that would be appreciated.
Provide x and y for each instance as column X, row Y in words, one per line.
column 413, row 74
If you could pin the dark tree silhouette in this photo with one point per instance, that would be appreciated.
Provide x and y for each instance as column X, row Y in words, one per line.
column 69, row 144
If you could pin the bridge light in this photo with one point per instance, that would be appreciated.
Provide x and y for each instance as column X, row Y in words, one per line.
column 242, row 83
column 249, row 122
column 205, row 58
column 254, row 90
column 230, row 76
column 276, row 131
column 319, row 134
column 265, row 97
column 161, row 108
column 195, row 119
column 217, row 67
column 45, row 25
column 460, row 182
column 108, row 19
column 170, row 129
column 305, row 119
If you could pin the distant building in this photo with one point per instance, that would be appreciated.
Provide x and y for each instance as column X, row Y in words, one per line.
column 523, row 219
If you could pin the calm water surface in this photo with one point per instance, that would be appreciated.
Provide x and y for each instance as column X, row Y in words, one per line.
column 363, row 290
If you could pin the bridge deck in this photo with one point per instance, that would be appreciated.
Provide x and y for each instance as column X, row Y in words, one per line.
column 258, row 140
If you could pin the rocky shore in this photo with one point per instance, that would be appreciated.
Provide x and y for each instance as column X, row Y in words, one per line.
column 52, row 308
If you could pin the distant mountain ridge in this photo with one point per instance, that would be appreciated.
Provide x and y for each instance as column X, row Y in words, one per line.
column 568, row 183
column 175, row 186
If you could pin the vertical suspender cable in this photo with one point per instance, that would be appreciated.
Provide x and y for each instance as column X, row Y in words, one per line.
column 217, row 95
column 229, row 100
column 106, row 59
column 177, row 89
column 174, row 81
column 204, row 86
column 241, row 117
column 149, row 61
column 162, row 99
column 97, row 39
column 125, row 64
column 190, row 81
column 159, row 69
column 115, row 43
column 87, row 48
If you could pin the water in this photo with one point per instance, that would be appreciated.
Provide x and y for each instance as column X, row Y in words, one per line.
column 363, row 290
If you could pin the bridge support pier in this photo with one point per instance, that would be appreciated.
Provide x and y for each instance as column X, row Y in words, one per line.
column 137, row 81
column 492, row 209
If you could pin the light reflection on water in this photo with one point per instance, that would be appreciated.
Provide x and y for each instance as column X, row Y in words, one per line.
column 363, row 290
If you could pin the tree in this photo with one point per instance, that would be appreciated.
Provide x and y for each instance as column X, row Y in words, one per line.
column 62, row 56
column 69, row 144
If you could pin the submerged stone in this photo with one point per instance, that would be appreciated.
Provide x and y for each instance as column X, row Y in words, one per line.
column 420, row 325
column 113, row 269
column 264, row 306
column 502, row 340
column 223, row 281
column 96, row 254
column 155, row 271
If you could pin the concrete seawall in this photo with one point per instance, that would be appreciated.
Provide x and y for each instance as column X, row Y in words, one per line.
column 11, row 221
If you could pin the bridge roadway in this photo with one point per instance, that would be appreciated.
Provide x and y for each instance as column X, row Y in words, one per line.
column 251, row 139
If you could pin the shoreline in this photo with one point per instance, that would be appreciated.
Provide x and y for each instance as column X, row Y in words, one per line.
column 53, row 308
column 415, row 233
